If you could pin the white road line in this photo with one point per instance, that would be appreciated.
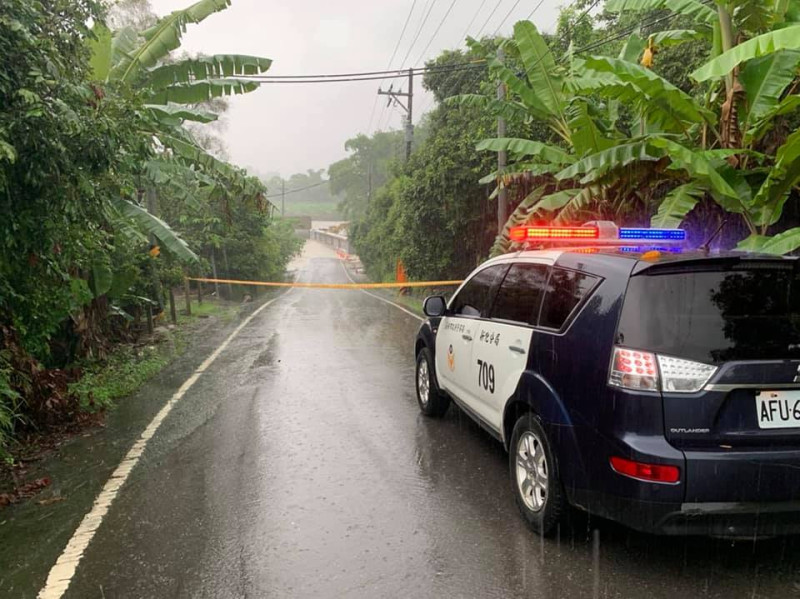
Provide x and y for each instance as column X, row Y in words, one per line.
column 378, row 297
column 63, row 571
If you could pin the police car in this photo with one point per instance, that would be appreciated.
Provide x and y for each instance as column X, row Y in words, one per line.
column 656, row 387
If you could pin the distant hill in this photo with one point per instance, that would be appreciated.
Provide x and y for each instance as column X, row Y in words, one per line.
column 306, row 194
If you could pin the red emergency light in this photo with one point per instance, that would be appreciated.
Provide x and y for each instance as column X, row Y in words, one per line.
column 543, row 233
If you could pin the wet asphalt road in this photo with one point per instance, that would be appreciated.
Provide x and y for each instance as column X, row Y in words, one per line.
column 299, row 466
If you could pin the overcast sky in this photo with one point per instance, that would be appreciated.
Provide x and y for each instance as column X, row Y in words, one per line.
column 290, row 128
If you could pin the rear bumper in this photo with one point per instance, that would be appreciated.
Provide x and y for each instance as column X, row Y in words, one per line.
column 717, row 519
column 742, row 476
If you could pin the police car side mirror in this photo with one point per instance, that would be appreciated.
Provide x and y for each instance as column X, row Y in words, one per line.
column 434, row 306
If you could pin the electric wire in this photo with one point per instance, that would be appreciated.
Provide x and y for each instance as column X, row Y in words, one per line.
column 367, row 76
column 419, row 31
column 505, row 18
column 402, row 33
column 298, row 190
column 489, row 18
column 618, row 36
column 607, row 40
column 352, row 74
column 472, row 22
column 583, row 15
column 438, row 27
column 424, row 17
column 417, row 71
column 535, row 8
column 389, row 64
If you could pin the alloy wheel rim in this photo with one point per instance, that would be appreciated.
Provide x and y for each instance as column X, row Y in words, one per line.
column 532, row 471
column 423, row 382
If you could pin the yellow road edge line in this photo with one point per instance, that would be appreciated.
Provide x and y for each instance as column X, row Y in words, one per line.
column 330, row 285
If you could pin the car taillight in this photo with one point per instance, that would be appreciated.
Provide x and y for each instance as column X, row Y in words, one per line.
column 683, row 376
column 633, row 369
column 645, row 371
column 655, row 473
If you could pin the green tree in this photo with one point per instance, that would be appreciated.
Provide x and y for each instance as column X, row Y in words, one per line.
column 356, row 178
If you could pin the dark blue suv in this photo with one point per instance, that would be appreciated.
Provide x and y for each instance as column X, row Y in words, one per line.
column 660, row 389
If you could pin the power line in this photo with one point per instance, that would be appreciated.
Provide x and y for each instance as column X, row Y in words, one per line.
column 266, row 79
column 489, row 18
column 602, row 42
column 535, row 8
column 508, row 14
column 430, row 41
column 269, row 197
column 579, row 19
column 389, row 64
column 463, row 37
column 472, row 22
column 399, row 39
column 417, row 71
column 356, row 73
column 629, row 31
column 419, row 31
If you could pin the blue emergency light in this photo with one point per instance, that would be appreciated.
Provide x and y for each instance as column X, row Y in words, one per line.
column 652, row 234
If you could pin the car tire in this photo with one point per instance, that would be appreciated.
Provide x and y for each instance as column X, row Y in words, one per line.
column 432, row 402
column 535, row 479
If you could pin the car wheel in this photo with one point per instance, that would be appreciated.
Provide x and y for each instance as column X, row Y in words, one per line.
column 432, row 402
column 534, row 476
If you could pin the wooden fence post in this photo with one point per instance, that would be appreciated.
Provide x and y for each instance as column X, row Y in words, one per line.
column 187, row 297
column 173, row 313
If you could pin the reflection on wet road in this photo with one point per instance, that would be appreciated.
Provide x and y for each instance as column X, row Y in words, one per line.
column 299, row 466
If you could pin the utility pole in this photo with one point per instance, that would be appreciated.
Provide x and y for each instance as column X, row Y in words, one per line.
column 410, row 122
column 369, row 183
column 152, row 208
column 283, row 198
column 502, row 157
column 409, row 108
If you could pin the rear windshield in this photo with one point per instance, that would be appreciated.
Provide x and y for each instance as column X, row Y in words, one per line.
column 714, row 317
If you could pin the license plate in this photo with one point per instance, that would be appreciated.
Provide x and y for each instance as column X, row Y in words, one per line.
column 778, row 409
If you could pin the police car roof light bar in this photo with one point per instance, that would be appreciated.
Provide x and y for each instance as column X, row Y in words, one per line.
column 596, row 233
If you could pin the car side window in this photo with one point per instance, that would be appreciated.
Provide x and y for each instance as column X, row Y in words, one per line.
column 520, row 294
column 565, row 290
column 475, row 298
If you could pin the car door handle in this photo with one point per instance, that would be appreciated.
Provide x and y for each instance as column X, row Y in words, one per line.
column 516, row 349
column 466, row 337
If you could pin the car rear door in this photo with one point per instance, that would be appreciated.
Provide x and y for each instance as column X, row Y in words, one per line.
column 502, row 342
column 458, row 328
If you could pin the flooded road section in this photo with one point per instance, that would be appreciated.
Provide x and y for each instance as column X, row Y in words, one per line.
column 299, row 466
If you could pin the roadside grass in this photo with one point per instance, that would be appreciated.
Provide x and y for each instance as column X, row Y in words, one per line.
column 412, row 302
column 124, row 371
column 128, row 367
column 209, row 307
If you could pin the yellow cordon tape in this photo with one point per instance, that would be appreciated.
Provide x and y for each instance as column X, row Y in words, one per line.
column 332, row 285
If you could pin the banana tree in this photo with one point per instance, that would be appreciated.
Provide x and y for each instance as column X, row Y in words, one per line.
column 753, row 71
column 172, row 92
column 594, row 169
column 681, row 151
